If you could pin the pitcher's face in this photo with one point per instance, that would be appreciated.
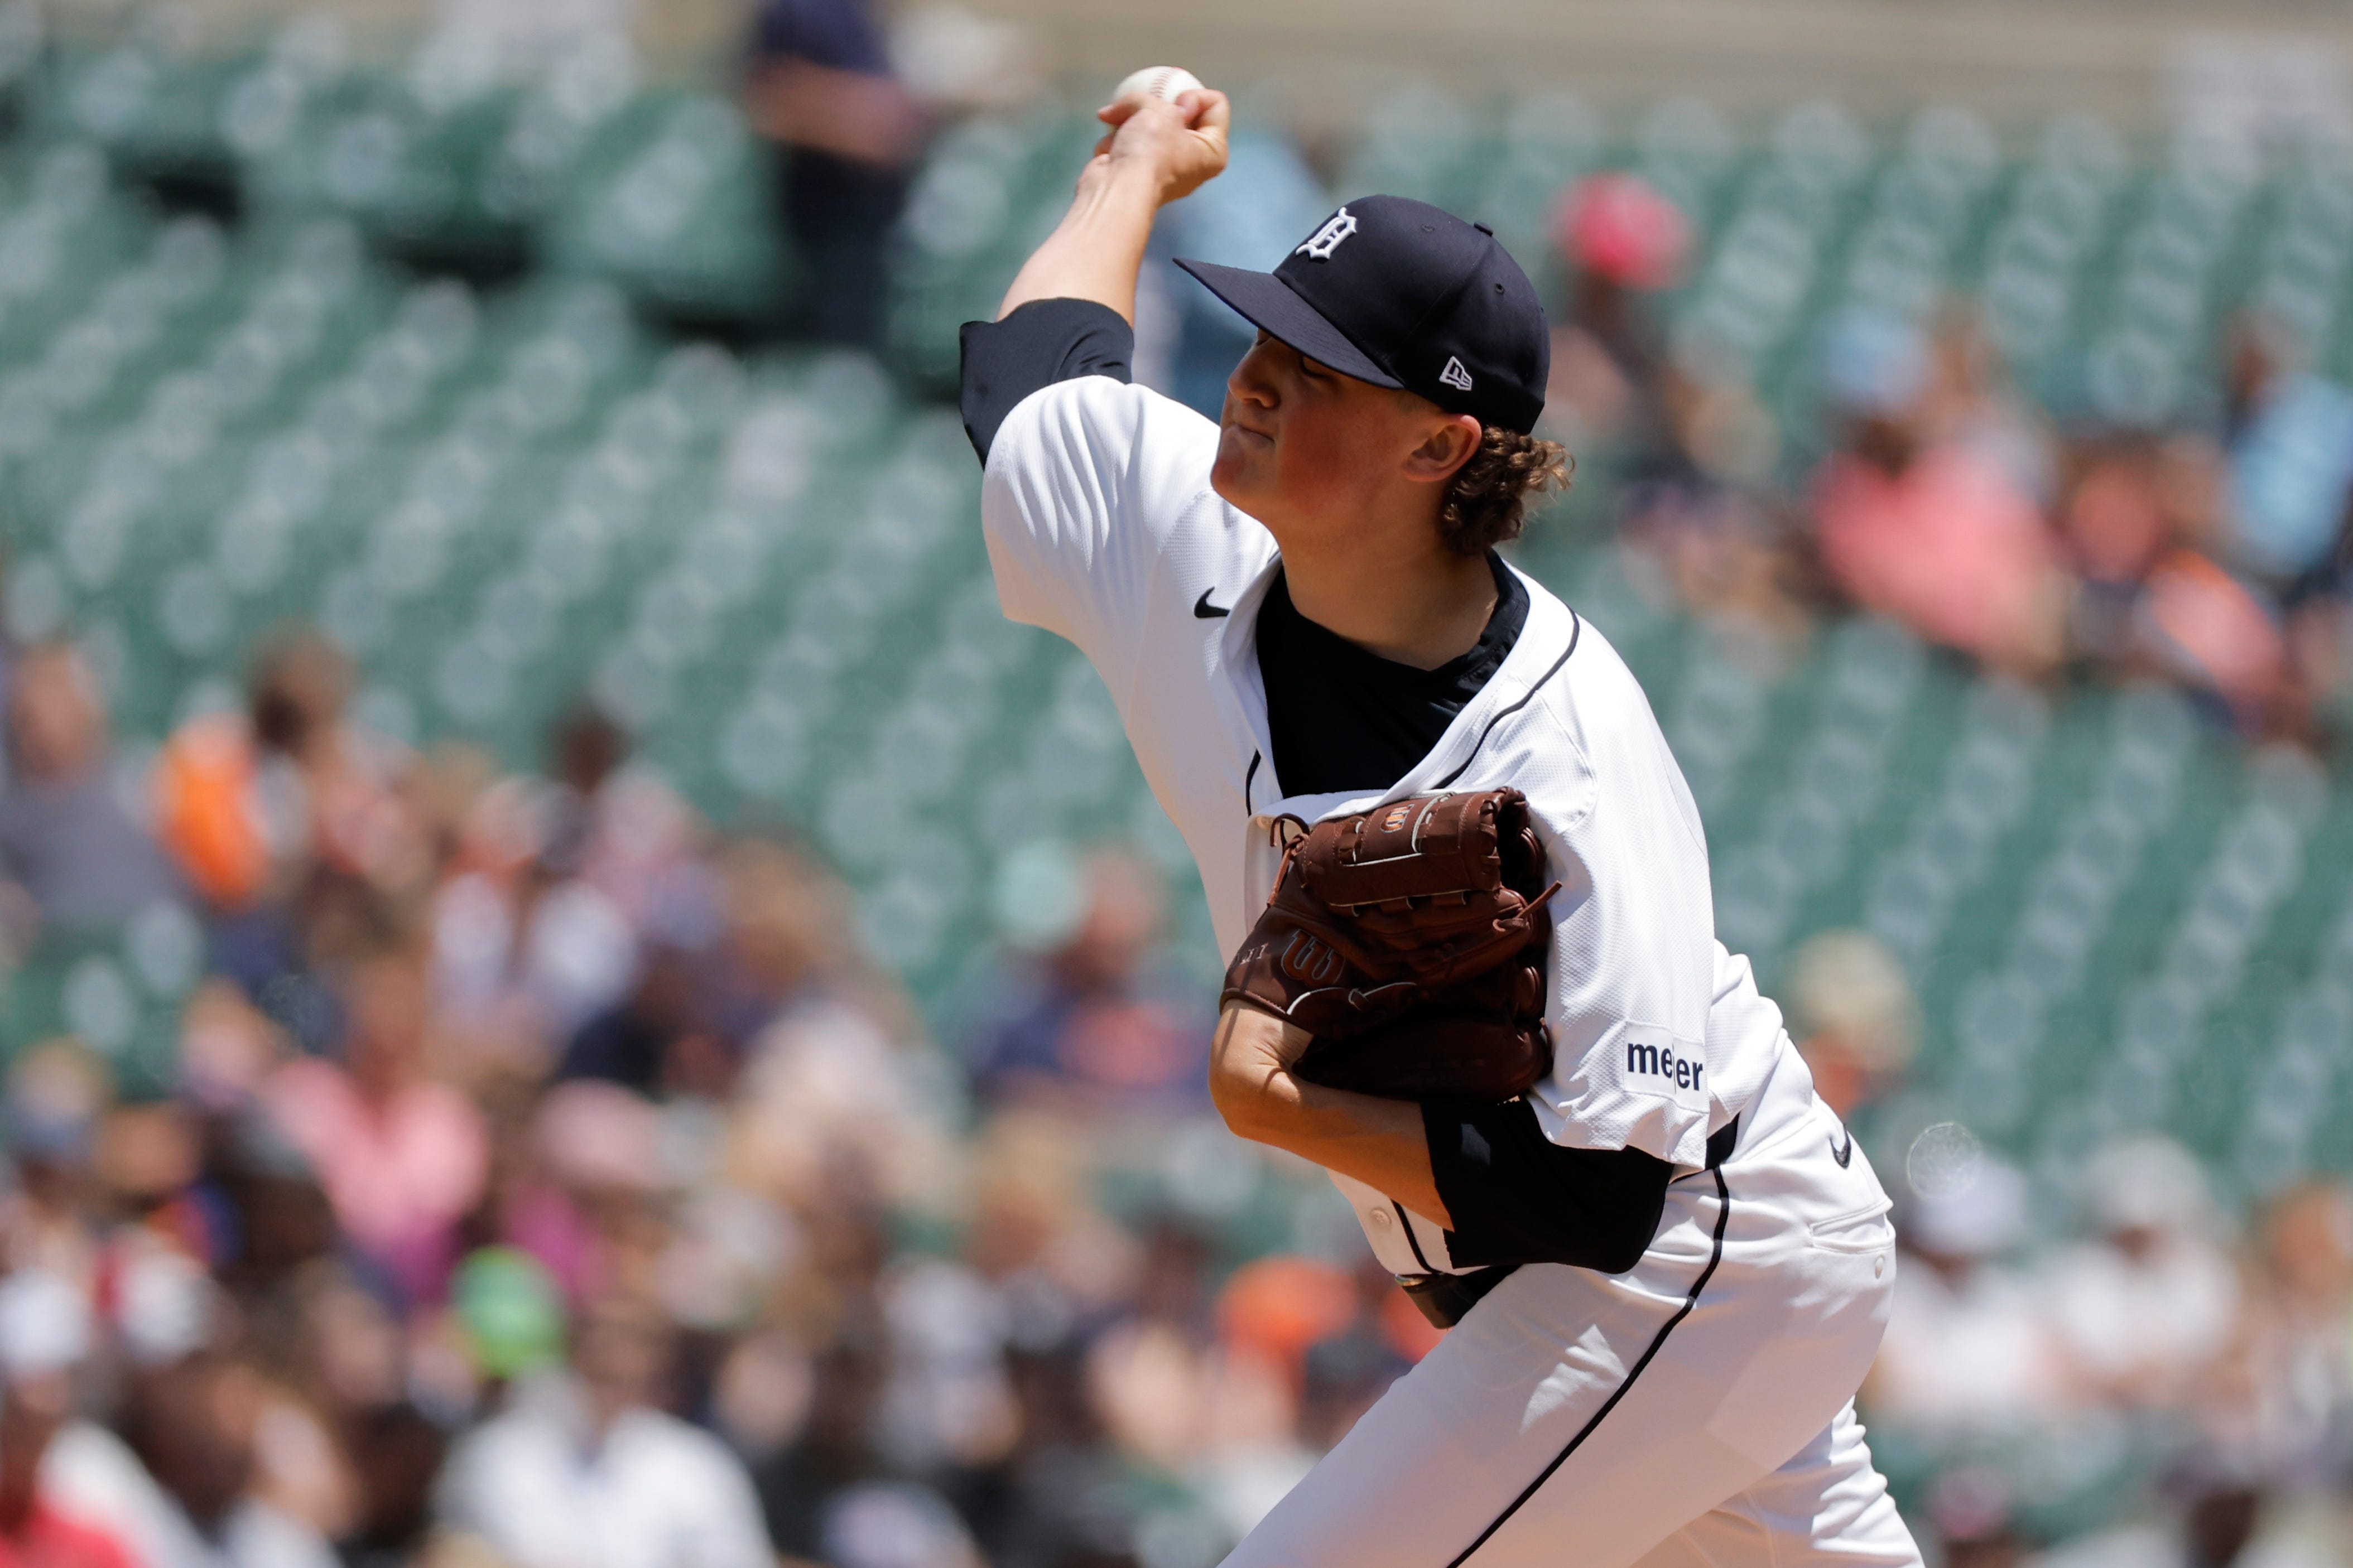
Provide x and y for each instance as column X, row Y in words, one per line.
column 1304, row 448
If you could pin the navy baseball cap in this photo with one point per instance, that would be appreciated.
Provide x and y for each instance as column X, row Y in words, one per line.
column 1401, row 293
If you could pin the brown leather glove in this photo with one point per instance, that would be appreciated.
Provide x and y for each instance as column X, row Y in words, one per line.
column 1410, row 941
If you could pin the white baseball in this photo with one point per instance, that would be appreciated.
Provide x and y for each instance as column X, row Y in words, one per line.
column 1156, row 81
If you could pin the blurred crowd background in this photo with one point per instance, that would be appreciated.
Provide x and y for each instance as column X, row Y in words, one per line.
column 572, row 997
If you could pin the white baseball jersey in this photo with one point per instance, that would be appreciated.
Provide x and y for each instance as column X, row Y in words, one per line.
column 1102, row 527
column 1725, row 1362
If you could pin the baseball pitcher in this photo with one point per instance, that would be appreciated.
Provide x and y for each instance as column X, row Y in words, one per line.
column 1464, row 889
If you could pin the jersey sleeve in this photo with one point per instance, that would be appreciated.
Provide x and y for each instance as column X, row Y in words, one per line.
column 1041, row 342
column 1632, row 975
column 1088, row 482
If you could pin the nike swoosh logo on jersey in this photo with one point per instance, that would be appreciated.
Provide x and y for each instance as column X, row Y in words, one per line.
column 1844, row 1152
column 1205, row 611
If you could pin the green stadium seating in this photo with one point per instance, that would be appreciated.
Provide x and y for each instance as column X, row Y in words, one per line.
column 501, row 496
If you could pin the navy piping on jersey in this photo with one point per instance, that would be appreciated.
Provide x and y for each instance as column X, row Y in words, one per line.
column 1412, row 1240
column 1715, row 1256
column 1575, row 631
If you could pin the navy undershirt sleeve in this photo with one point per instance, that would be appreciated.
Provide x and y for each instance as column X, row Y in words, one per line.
column 1036, row 345
column 1515, row 1196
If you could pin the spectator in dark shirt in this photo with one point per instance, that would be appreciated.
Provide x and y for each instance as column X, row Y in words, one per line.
column 1092, row 1024
column 821, row 87
column 64, row 837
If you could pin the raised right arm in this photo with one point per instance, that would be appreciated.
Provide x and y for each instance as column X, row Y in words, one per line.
column 1155, row 153
column 1080, row 287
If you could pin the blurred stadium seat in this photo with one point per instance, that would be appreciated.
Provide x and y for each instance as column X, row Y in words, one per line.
column 499, row 498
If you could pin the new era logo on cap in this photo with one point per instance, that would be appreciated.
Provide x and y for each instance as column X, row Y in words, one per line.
column 1401, row 293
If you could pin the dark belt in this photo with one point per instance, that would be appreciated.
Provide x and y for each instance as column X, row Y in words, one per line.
column 1446, row 1299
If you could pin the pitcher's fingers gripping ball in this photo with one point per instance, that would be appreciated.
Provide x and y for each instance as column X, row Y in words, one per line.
column 1202, row 111
column 1164, row 82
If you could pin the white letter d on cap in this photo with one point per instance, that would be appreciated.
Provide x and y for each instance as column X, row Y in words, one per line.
column 1325, row 240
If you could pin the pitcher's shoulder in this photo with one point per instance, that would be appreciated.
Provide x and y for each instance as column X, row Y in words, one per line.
column 1107, row 418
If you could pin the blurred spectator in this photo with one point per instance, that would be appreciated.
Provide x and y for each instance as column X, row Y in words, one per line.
column 656, row 1038
column 1620, row 239
column 1966, row 404
column 401, row 1156
column 586, row 1469
column 2211, row 631
column 508, row 1312
column 56, row 1094
column 64, row 836
column 821, row 86
column 1205, row 1387
column 1090, row 1022
column 533, row 951
column 587, row 1207
column 45, row 1331
column 396, row 1453
column 2291, row 446
column 248, row 803
column 2197, row 621
column 1972, row 1508
column 1931, row 527
column 1699, row 504
column 2219, row 1508
column 830, row 1100
column 482, row 1054
column 1284, row 1326
column 2114, row 524
column 1968, row 1351
column 2148, row 1304
column 581, row 915
column 2281, row 1395
column 631, row 835
column 833, row 1452
column 1855, row 1019
column 203, row 1426
column 2145, row 524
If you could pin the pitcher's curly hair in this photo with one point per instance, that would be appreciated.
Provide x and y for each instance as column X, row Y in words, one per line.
column 1488, row 501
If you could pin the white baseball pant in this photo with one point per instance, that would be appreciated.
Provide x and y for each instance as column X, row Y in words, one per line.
column 1693, row 1412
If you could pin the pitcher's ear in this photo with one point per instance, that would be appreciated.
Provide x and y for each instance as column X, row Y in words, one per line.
column 1449, row 444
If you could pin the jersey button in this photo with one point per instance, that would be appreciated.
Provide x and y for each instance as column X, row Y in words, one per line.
column 1382, row 1220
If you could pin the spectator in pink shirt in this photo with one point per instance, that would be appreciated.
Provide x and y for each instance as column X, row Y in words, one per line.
column 1938, row 533
column 402, row 1157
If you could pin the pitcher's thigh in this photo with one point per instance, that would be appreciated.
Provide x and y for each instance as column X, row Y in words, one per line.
column 1537, row 1449
column 1827, row 1508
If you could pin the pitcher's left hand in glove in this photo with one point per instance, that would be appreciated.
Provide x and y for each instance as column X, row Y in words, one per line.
column 1409, row 941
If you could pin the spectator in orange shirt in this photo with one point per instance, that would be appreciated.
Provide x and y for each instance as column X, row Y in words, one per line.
column 249, row 802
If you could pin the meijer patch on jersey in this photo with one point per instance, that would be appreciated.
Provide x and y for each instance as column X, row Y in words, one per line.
column 1649, row 1060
